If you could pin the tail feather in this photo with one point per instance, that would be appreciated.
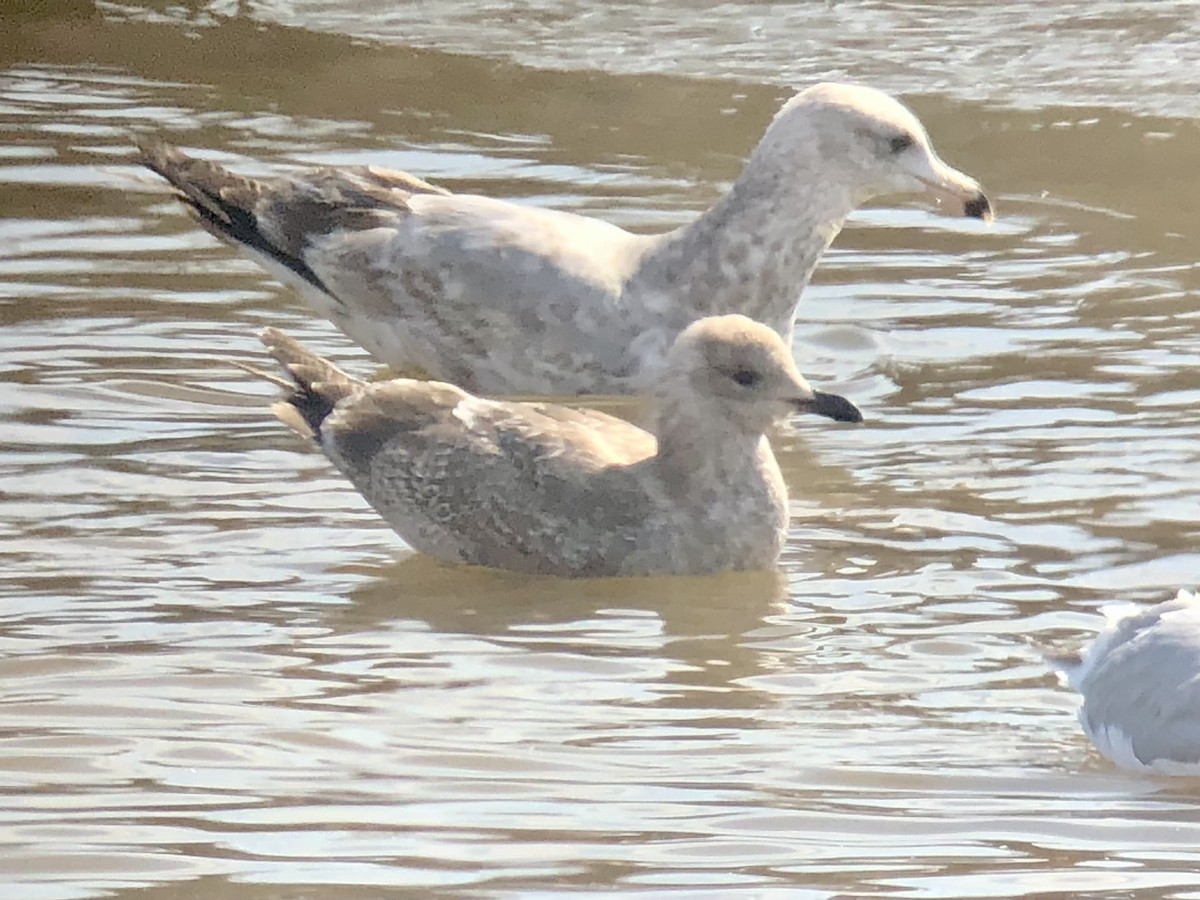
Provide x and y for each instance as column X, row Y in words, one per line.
column 317, row 385
column 223, row 203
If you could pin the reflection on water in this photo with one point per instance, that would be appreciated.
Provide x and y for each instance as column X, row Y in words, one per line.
column 1137, row 55
column 221, row 676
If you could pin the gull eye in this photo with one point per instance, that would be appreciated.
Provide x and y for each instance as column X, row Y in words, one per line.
column 746, row 377
column 901, row 142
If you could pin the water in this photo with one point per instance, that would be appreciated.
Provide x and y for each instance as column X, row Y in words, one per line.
column 222, row 677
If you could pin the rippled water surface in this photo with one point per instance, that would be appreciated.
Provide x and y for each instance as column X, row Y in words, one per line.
column 222, row 677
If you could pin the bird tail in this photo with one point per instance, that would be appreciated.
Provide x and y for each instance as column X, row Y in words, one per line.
column 1067, row 664
column 316, row 385
column 222, row 202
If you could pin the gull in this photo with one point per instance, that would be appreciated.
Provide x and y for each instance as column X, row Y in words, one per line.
column 547, row 489
column 1140, row 682
column 508, row 299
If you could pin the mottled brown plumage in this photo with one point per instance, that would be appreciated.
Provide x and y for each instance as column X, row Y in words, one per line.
column 547, row 489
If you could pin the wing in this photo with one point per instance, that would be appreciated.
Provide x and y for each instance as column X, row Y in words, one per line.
column 539, row 489
column 1149, row 688
column 479, row 292
column 487, row 294
column 274, row 221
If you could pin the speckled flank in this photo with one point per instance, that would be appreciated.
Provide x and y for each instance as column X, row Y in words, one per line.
column 547, row 489
column 503, row 298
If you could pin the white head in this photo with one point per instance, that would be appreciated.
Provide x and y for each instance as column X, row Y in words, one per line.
column 869, row 142
column 734, row 371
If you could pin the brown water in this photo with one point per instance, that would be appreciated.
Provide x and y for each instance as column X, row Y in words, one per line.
column 222, row 677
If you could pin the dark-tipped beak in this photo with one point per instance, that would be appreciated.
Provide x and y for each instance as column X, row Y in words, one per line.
column 953, row 186
column 978, row 207
column 832, row 406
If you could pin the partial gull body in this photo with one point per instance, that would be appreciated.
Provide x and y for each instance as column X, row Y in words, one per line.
column 1140, row 682
column 503, row 298
column 547, row 489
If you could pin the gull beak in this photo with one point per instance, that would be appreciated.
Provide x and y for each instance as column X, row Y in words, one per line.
column 953, row 186
column 832, row 406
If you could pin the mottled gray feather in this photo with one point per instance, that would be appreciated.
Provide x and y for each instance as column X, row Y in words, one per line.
column 502, row 298
column 542, row 488
column 1140, row 683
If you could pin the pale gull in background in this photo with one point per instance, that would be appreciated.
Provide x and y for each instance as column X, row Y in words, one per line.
column 1140, row 682
column 547, row 489
column 502, row 298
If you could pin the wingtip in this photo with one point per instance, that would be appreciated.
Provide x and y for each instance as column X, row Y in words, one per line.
column 286, row 349
column 147, row 143
column 1066, row 664
column 154, row 153
column 290, row 416
column 264, row 374
column 271, row 335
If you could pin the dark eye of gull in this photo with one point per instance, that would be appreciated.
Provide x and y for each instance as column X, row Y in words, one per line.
column 901, row 142
column 746, row 377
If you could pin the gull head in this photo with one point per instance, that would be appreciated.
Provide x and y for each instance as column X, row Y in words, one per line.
column 734, row 370
column 871, row 144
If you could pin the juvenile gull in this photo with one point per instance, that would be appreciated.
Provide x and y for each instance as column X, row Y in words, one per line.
column 1140, row 681
column 503, row 298
column 547, row 489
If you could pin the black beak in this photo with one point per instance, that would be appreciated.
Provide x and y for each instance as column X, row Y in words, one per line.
column 978, row 207
column 833, row 406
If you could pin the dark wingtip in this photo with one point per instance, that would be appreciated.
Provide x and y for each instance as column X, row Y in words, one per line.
column 979, row 207
column 834, row 406
column 157, row 155
column 316, row 385
column 148, row 144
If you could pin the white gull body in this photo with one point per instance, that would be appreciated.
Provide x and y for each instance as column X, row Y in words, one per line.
column 548, row 489
column 1140, row 683
column 503, row 298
